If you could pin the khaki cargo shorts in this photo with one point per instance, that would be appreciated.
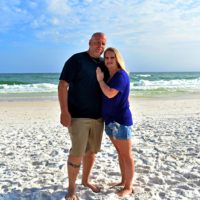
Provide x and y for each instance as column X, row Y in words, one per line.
column 86, row 135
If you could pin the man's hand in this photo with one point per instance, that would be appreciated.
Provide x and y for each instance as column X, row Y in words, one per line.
column 65, row 119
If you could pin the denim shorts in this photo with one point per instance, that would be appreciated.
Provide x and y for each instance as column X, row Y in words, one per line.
column 118, row 131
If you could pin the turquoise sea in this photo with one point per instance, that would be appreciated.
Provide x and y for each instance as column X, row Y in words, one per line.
column 142, row 84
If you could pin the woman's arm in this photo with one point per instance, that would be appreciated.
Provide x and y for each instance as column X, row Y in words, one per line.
column 109, row 92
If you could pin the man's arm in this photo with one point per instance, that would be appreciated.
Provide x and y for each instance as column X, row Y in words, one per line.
column 65, row 116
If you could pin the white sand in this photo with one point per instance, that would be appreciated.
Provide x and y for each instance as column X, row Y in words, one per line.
column 34, row 149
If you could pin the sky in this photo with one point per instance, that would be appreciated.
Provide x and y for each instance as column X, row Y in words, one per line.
column 152, row 35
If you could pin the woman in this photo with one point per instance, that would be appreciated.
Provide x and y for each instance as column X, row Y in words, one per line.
column 117, row 115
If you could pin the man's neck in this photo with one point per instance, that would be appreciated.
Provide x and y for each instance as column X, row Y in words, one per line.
column 91, row 55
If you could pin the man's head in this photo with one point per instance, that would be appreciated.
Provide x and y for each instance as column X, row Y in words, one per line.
column 97, row 44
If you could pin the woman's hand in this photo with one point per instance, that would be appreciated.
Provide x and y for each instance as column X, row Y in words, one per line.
column 99, row 74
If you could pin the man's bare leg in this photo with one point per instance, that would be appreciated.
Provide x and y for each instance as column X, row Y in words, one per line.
column 88, row 162
column 73, row 166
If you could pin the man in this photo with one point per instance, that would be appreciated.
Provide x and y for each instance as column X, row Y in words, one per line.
column 80, row 103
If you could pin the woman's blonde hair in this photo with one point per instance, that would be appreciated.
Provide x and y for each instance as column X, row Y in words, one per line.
column 119, row 58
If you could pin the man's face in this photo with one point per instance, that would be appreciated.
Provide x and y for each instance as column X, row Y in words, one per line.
column 97, row 45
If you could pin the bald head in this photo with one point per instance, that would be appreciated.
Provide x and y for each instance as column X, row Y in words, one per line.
column 98, row 34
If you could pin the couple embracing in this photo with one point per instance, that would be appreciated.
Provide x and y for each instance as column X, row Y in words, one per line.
column 93, row 90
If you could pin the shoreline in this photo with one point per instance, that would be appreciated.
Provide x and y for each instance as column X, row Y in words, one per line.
column 54, row 96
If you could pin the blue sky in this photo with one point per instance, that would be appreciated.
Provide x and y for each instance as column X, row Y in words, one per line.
column 152, row 35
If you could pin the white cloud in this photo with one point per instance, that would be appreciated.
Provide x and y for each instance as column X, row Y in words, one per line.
column 39, row 22
column 58, row 7
column 32, row 4
column 141, row 22
column 12, row 15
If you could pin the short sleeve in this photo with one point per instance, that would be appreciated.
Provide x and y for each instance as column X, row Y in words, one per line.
column 69, row 70
column 119, row 81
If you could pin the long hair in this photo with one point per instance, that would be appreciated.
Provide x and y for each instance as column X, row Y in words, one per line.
column 119, row 58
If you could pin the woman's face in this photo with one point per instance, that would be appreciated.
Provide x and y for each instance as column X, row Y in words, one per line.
column 110, row 60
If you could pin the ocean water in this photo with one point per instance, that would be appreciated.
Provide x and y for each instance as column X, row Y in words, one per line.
column 142, row 84
column 165, row 83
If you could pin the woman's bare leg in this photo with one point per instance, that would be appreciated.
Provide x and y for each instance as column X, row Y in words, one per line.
column 125, row 154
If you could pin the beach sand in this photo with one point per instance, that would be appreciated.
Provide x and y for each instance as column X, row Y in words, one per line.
column 34, row 149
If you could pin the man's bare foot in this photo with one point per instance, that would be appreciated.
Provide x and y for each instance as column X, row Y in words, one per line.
column 71, row 195
column 125, row 192
column 94, row 188
column 116, row 184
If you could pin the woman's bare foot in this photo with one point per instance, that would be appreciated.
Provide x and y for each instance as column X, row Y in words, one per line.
column 125, row 192
column 94, row 188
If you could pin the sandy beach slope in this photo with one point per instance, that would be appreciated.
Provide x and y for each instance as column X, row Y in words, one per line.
column 34, row 149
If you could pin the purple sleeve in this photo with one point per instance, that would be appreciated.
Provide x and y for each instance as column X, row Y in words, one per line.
column 119, row 81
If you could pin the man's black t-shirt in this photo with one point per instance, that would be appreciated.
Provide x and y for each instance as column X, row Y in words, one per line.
column 84, row 95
